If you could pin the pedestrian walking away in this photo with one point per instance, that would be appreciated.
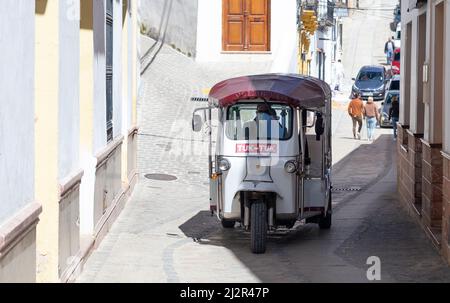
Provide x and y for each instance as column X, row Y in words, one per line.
column 389, row 50
column 372, row 116
column 355, row 110
column 394, row 114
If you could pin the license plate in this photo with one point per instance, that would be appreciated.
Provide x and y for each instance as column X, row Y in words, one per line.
column 368, row 94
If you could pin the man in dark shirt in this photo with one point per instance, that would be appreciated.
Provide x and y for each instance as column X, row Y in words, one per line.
column 394, row 114
column 389, row 48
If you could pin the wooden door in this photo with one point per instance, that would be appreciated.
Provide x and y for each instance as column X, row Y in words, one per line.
column 246, row 25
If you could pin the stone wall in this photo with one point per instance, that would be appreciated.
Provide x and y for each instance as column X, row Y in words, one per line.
column 432, row 186
column 176, row 20
column 409, row 167
column 403, row 165
column 415, row 169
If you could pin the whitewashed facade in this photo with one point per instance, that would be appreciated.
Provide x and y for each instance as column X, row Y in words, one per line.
column 424, row 125
column 201, row 21
column 58, row 146
column 18, row 211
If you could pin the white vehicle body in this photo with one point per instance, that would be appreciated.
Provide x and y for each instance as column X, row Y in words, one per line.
column 288, row 171
column 264, row 171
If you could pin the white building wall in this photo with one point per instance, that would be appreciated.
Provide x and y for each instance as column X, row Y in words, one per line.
column 87, row 155
column 283, row 36
column 324, row 42
column 209, row 30
column 412, row 16
column 129, row 101
column 99, row 117
column 117, row 69
column 314, row 70
column 69, row 105
column 414, row 75
column 16, row 106
column 432, row 109
column 446, row 134
column 406, row 19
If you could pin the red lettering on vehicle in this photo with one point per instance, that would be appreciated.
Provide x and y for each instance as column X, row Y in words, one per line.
column 256, row 148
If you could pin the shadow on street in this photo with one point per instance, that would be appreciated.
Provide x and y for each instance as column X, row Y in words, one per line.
column 365, row 223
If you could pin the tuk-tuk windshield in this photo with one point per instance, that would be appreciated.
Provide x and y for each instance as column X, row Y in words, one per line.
column 259, row 121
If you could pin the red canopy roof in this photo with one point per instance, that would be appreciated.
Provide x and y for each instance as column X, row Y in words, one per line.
column 295, row 90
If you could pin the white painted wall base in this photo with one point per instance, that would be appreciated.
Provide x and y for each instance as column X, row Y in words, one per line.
column 19, row 264
column 18, row 246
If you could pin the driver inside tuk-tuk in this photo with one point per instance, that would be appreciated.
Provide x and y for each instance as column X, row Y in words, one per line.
column 265, row 121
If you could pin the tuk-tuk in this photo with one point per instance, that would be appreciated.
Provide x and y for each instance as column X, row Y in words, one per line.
column 272, row 163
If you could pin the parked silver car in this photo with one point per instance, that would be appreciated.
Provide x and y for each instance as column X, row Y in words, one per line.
column 386, row 106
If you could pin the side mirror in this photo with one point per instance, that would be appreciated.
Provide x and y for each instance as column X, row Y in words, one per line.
column 382, row 103
column 319, row 127
column 354, row 79
column 310, row 117
column 197, row 123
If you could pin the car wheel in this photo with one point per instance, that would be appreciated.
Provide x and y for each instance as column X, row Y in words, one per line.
column 228, row 224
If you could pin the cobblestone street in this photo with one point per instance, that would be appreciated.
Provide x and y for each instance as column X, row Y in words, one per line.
column 167, row 234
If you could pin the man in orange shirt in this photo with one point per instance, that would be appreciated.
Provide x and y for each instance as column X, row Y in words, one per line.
column 355, row 110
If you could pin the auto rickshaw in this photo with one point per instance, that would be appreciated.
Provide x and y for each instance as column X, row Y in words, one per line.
column 272, row 161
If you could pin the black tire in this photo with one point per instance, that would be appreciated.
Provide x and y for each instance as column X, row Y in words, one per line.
column 228, row 224
column 325, row 222
column 258, row 227
column 291, row 224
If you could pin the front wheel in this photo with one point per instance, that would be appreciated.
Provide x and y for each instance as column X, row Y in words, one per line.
column 258, row 227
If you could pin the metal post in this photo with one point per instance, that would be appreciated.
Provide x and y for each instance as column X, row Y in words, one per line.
column 302, row 174
column 210, row 143
column 271, row 215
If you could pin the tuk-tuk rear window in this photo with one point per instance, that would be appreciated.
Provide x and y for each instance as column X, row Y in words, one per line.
column 259, row 121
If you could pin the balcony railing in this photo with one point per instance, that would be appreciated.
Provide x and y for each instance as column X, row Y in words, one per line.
column 330, row 11
column 325, row 9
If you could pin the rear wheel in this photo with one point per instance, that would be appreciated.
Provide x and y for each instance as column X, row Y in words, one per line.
column 258, row 227
column 325, row 222
column 228, row 224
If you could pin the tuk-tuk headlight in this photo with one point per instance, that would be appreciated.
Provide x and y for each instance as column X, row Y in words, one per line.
column 224, row 165
column 290, row 167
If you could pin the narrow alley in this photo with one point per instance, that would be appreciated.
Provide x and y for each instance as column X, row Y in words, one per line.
column 166, row 232
column 224, row 141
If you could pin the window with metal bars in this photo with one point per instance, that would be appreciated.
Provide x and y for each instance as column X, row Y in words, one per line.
column 109, row 68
